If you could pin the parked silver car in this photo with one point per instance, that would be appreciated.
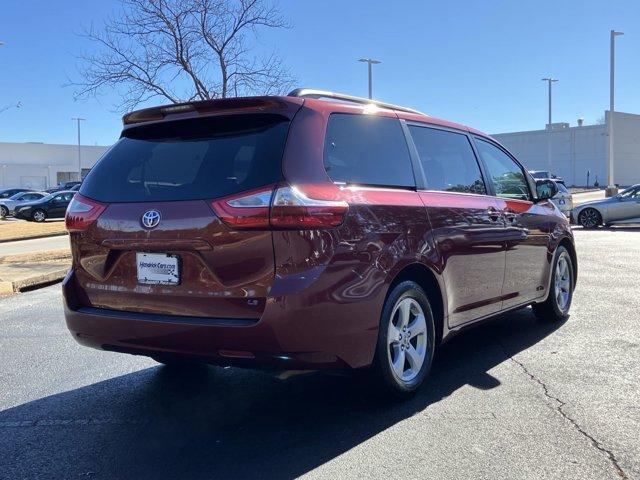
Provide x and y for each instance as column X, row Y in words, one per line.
column 8, row 205
column 563, row 199
column 622, row 208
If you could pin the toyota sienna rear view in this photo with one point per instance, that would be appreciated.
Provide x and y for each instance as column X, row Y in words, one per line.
column 314, row 231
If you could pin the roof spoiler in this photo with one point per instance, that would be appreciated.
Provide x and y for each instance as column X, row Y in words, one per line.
column 343, row 97
column 203, row 107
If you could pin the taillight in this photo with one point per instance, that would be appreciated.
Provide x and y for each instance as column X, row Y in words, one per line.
column 82, row 212
column 291, row 208
column 287, row 208
column 246, row 210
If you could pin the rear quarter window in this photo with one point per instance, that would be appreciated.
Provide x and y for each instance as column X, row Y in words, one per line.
column 367, row 149
column 193, row 159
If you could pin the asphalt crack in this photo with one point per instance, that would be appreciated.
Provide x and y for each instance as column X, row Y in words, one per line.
column 559, row 408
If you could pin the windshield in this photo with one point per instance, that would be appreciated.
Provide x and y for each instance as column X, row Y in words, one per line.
column 191, row 159
column 46, row 198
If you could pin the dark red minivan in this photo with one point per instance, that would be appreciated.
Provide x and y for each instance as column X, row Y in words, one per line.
column 309, row 231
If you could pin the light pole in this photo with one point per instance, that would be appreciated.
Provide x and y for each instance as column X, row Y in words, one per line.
column 550, row 81
column 611, row 186
column 77, row 119
column 369, row 62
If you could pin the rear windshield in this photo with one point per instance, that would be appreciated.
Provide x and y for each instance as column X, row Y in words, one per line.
column 190, row 159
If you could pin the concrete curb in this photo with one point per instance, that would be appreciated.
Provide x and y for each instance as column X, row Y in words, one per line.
column 33, row 237
column 9, row 287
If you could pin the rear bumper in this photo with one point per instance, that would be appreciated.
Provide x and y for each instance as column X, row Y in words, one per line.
column 283, row 339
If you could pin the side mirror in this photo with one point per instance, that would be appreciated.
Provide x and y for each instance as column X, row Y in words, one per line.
column 546, row 189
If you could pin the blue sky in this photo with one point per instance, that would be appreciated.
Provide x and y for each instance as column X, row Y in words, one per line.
column 475, row 62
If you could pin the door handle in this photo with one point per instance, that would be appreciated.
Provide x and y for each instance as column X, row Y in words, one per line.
column 494, row 214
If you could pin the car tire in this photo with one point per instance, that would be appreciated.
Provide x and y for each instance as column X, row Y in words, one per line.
column 39, row 215
column 590, row 218
column 556, row 307
column 3, row 211
column 406, row 308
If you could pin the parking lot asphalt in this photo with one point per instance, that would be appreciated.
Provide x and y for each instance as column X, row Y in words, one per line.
column 513, row 398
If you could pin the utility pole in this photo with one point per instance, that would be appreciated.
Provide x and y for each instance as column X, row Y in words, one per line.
column 369, row 62
column 78, row 120
column 611, row 189
column 550, row 81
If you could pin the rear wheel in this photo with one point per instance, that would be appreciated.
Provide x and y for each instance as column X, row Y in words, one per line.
column 3, row 211
column 590, row 218
column 39, row 216
column 405, row 348
column 556, row 306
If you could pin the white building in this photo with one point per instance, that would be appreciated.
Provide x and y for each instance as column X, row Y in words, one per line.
column 571, row 152
column 41, row 165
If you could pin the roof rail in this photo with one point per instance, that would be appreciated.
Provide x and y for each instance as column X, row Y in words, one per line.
column 322, row 94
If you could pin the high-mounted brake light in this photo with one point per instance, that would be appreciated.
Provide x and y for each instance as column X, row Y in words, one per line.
column 82, row 212
column 288, row 208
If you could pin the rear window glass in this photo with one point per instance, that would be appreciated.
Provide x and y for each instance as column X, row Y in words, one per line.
column 367, row 149
column 190, row 159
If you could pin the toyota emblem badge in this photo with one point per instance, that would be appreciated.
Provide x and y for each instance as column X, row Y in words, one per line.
column 151, row 219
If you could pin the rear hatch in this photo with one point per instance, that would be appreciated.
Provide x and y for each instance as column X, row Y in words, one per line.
column 145, row 235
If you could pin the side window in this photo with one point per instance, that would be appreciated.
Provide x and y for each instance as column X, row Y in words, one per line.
column 508, row 178
column 631, row 194
column 367, row 149
column 448, row 160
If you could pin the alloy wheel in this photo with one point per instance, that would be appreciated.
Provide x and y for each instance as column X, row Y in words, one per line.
column 39, row 216
column 407, row 339
column 562, row 288
column 589, row 218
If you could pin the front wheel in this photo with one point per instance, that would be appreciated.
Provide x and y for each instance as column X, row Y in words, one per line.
column 406, row 340
column 3, row 211
column 39, row 216
column 556, row 306
column 589, row 218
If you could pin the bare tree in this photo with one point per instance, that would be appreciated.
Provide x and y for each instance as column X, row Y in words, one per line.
column 10, row 106
column 182, row 50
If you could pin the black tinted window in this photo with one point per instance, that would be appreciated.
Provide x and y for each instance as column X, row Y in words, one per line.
column 190, row 159
column 508, row 178
column 448, row 160
column 367, row 149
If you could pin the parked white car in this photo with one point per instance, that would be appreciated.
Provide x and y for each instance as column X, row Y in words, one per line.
column 563, row 199
column 8, row 205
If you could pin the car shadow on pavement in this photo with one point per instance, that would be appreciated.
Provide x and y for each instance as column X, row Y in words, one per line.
column 227, row 423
